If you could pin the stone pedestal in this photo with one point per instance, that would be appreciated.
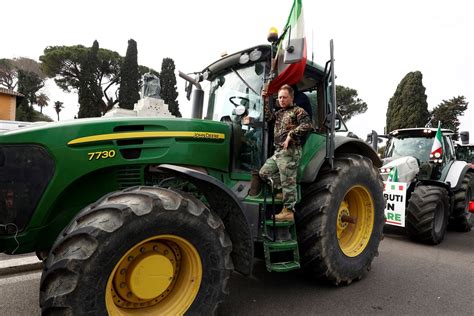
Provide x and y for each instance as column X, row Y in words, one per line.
column 149, row 107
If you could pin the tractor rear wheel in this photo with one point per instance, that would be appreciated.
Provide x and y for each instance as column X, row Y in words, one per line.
column 461, row 219
column 141, row 251
column 340, row 220
column 427, row 214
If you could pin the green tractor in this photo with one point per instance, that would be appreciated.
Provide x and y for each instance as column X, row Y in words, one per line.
column 151, row 215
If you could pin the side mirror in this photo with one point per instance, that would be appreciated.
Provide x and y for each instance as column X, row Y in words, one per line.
column 294, row 50
column 337, row 124
column 338, row 121
column 188, row 87
column 464, row 137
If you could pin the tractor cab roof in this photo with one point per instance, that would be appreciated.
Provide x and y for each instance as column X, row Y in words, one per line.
column 313, row 71
column 419, row 132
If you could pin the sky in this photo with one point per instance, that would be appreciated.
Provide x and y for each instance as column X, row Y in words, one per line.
column 376, row 42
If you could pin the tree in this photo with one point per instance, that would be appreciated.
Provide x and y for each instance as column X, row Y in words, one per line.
column 169, row 93
column 42, row 101
column 9, row 70
column 129, row 78
column 90, row 94
column 58, row 106
column 348, row 103
column 66, row 63
column 28, row 84
column 408, row 106
column 8, row 74
column 448, row 111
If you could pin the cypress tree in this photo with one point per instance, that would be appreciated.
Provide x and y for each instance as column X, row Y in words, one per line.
column 169, row 93
column 89, row 91
column 408, row 107
column 129, row 81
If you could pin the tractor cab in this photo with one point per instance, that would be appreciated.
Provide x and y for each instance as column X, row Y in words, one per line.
column 417, row 143
column 233, row 96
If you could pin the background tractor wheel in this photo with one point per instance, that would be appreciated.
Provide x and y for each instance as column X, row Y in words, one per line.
column 427, row 214
column 340, row 220
column 141, row 251
column 461, row 219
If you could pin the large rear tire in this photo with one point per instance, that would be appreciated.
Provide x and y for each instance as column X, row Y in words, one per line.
column 461, row 219
column 141, row 251
column 427, row 214
column 340, row 220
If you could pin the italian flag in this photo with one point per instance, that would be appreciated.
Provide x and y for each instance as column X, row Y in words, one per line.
column 290, row 73
column 437, row 147
column 393, row 175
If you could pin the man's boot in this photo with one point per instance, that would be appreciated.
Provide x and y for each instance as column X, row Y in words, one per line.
column 255, row 184
column 285, row 215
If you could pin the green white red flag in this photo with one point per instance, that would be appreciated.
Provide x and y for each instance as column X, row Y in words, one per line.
column 290, row 73
column 437, row 148
column 393, row 175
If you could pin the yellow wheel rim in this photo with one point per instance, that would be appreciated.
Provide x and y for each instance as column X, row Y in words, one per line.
column 355, row 221
column 158, row 276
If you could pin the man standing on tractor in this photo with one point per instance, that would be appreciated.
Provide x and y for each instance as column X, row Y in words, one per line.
column 292, row 124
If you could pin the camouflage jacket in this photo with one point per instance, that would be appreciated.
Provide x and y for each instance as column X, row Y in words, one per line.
column 293, row 121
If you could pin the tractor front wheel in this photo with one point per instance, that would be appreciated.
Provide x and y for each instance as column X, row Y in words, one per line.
column 340, row 220
column 141, row 251
column 427, row 214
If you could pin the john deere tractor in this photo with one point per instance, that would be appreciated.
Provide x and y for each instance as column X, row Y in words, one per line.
column 150, row 216
column 426, row 193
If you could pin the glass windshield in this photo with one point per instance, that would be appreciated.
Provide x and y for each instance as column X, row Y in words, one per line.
column 237, row 87
column 418, row 147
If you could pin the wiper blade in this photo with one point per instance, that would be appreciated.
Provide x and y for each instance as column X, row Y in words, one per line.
column 243, row 80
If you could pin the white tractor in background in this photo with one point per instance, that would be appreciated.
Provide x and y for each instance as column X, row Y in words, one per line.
column 427, row 189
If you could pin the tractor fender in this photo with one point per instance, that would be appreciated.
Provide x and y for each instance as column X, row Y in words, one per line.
column 229, row 208
column 456, row 174
column 342, row 145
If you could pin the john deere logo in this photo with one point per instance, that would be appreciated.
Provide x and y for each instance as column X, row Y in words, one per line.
column 207, row 135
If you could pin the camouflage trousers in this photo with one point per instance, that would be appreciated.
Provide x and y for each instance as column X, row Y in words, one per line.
column 282, row 168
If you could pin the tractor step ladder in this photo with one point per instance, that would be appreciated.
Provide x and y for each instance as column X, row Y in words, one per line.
column 280, row 237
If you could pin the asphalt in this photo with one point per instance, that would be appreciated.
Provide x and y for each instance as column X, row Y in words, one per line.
column 19, row 263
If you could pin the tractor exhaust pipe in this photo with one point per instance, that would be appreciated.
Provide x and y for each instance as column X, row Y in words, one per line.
column 197, row 101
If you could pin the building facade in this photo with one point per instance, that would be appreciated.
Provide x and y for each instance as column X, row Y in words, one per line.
column 8, row 104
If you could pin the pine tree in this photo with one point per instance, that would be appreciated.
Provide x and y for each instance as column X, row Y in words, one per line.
column 408, row 106
column 90, row 93
column 169, row 93
column 348, row 102
column 448, row 111
column 129, row 82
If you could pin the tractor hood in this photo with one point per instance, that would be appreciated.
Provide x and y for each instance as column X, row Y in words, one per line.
column 407, row 168
column 131, row 139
